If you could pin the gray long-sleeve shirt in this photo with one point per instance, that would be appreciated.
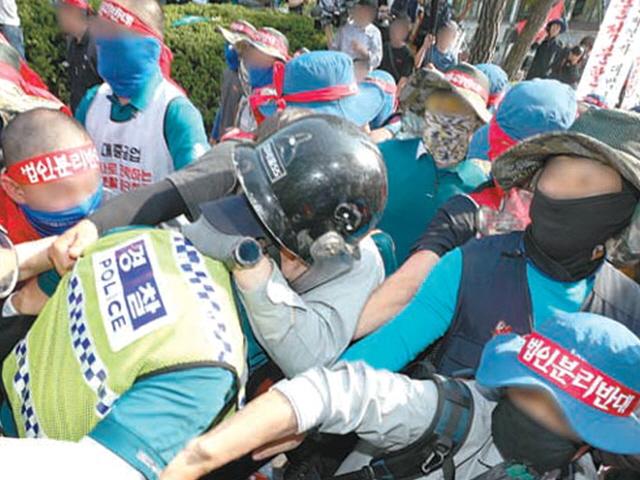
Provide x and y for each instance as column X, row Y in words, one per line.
column 389, row 412
column 303, row 331
column 369, row 37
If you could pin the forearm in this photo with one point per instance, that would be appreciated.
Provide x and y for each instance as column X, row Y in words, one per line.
column 267, row 419
column 395, row 293
column 357, row 398
column 148, row 205
column 33, row 257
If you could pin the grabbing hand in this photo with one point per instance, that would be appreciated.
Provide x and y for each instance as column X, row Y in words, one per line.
column 70, row 246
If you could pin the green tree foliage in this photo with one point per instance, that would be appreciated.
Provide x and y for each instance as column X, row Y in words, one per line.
column 197, row 47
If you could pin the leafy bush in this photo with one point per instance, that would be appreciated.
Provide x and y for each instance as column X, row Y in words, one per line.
column 197, row 47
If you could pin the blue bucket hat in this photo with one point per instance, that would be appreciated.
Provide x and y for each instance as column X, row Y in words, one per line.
column 479, row 144
column 386, row 82
column 320, row 72
column 587, row 363
column 498, row 82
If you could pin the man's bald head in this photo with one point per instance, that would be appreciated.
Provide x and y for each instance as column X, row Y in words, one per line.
column 40, row 131
column 149, row 12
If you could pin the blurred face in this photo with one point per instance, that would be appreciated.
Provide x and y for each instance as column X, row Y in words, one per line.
column 445, row 39
column 54, row 196
column 554, row 30
column 565, row 177
column 398, row 32
column 448, row 103
column 71, row 20
column 253, row 57
column 363, row 15
column 574, row 58
column 101, row 28
column 538, row 405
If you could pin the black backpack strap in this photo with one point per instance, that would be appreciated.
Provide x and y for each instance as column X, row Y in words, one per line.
column 437, row 446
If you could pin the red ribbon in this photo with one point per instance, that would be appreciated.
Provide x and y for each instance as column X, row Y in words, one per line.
column 53, row 166
column 467, row 82
column 499, row 140
column 116, row 13
column 495, row 99
column 237, row 134
column 276, row 93
column 388, row 88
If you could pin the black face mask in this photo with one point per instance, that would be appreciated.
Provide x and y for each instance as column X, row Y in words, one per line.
column 566, row 237
column 521, row 439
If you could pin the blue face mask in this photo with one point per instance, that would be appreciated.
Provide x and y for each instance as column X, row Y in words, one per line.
column 260, row 77
column 231, row 56
column 55, row 223
column 127, row 63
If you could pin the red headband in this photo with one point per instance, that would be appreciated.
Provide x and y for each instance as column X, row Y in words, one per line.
column 116, row 13
column 81, row 4
column 270, row 39
column 54, row 166
column 267, row 95
column 499, row 140
column 241, row 27
column 576, row 377
column 467, row 82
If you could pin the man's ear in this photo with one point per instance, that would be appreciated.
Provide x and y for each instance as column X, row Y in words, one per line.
column 12, row 189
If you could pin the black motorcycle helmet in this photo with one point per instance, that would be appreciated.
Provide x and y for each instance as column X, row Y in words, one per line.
column 316, row 186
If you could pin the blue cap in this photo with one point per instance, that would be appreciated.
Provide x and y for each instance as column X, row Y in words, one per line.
column 322, row 69
column 603, row 344
column 378, row 78
column 498, row 79
column 537, row 106
column 479, row 144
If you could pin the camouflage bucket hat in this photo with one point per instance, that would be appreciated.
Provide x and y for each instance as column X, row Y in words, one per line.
column 466, row 81
column 608, row 136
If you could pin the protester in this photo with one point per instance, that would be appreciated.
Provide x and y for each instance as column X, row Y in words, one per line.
column 322, row 81
column 73, row 20
column 548, row 51
column 144, row 345
column 568, row 71
column 535, row 410
column 231, row 90
column 137, row 98
column 585, row 184
column 439, row 55
column 51, row 182
column 259, row 50
column 397, row 58
column 10, row 25
column 426, row 160
column 587, row 45
column 530, row 108
column 360, row 38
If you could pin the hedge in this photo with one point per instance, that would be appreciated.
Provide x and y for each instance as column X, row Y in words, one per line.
column 197, row 47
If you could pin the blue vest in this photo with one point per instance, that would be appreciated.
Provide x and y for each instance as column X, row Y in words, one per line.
column 494, row 290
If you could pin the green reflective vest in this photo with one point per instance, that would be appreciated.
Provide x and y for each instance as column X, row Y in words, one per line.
column 140, row 302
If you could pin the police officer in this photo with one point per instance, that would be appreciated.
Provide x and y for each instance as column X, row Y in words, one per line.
column 585, row 183
column 321, row 189
column 541, row 402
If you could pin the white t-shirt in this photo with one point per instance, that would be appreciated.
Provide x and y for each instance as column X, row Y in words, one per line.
column 9, row 13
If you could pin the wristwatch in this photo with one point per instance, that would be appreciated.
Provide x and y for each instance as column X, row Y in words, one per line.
column 247, row 254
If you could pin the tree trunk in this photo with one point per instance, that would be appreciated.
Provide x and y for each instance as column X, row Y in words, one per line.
column 484, row 41
column 535, row 21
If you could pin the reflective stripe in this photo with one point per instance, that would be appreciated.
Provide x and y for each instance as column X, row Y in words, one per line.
column 21, row 386
column 93, row 369
column 195, row 272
